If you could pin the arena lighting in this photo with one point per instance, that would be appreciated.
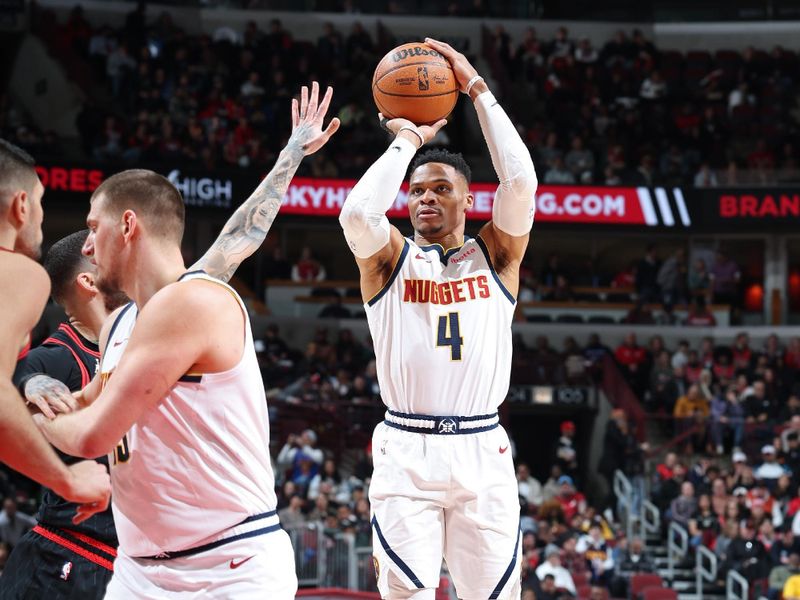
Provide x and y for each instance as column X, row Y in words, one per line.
column 542, row 394
column 794, row 289
column 754, row 298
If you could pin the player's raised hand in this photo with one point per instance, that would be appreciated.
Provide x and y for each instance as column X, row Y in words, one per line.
column 307, row 117
column 49, row 395
column 419, row 134
column 462, row 68
column 89, row 486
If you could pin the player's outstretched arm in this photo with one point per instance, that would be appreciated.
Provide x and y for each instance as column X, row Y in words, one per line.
column 247, row 228
column 174, row 330
column 23, row 447
column 506, row 236
column 375, row 243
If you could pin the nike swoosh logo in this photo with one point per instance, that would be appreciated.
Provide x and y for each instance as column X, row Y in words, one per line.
column 236, row 565
column 503, row 450
column 396, row 148
column 119, row 343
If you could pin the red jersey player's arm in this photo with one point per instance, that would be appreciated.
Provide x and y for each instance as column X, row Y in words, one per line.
column 23, row 448
column 50, row 395
column 185, row 327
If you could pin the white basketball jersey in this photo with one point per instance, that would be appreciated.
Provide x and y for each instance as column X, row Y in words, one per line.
column 441, row 328
column 196, row 464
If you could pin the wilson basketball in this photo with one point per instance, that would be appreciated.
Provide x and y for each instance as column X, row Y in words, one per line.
column 415, row 82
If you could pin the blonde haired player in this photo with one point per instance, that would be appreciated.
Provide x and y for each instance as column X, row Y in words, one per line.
column 440, row 308
column 180, row 404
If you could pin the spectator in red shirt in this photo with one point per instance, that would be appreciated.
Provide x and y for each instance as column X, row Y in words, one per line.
column 307, row 268
column 699, row 315
column 625, row 278
column 693, row 369
column 666, row 470
column 762, row 157
column 632, row 359
column 742, row 354
column 707, row 351
column 630, row 355
column 572, row 501
column 723, row 370
column 791, row 358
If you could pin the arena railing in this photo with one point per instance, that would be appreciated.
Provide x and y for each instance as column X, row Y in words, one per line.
column 623, row 490
column 310, row 553
column 677, row 547
column 651, row 518
column 640, row 516
column 706, row 569
column 330, row 561
column 735, row 582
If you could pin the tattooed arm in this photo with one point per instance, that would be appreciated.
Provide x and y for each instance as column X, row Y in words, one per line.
column 49, row 396
column 247, row 228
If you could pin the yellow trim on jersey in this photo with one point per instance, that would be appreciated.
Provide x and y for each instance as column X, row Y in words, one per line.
column 444, row 250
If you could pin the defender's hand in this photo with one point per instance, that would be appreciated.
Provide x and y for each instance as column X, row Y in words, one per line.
column 90, row 486
column 426, row 132
column 49, row 395
column 307, row 118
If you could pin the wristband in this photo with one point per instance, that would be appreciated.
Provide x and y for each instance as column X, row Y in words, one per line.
column 472, row 82
column 415, row 131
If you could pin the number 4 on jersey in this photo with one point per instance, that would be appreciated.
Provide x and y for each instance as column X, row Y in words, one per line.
column 450, row 335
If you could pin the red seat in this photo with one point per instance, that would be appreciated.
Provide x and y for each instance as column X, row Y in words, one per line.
column 588, row 595
column 699, row 59
column 640, row 581
column 581, row 578
column 671, row 59
column 659, row 593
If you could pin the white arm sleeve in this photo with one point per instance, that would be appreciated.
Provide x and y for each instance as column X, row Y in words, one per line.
column 363, row 216
column 514, row 203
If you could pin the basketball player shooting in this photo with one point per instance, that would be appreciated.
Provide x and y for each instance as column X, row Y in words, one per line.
column 180, row 403
column 439, row 308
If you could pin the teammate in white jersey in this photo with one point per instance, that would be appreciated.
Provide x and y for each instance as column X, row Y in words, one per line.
column 180, row 405
column 440, row 308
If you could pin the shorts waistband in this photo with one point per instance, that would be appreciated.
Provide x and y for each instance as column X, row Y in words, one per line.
column 259, row 529
column 441, row 425
column 81, row 544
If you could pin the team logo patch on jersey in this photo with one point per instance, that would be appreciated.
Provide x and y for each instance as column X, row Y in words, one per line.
column 377, row 566
column 447, row 425
column 66, row 570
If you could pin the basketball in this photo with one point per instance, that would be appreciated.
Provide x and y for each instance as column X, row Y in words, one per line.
column 415, row 82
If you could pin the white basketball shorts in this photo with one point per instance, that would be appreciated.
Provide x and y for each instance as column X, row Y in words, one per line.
column 247, row 569
column 452, row 496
